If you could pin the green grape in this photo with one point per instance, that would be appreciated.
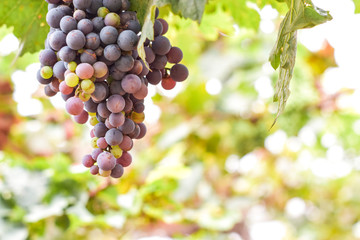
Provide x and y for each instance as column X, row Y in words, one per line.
column 94, row 142
column 137, row 117
column 116, row 151
column 46, row 72
column 72, row 66
column 102, row 12
column 104, row 173
column 93, row 121
column 87, row 86
column 84, row 96
column 72, row 79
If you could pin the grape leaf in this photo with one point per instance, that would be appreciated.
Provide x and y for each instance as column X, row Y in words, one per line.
column 28, row 17
column 357, row 6
column 192, row 9
column 246, row 17
column 302, row 14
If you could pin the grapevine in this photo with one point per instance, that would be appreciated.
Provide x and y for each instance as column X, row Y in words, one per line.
column 91, row 59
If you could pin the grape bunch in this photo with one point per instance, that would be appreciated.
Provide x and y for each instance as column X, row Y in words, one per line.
column 91, row 58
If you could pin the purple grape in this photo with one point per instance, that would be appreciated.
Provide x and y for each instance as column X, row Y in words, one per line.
column 135, row 133
column 100, row 130
column 88, row 56
column 82, row 4
column 103, row 110
column 179, row 72
column 74, row 106
column 101, row 143
column 67, row 24
column 175, row 55
column 117, row 171
column 75, row 40
column 48, row 91
column 133, row 25
column 158, row 28
column 54, row 16
column 59, row 70
column 82, row 118
column 112, row 5
column 125, row 160
column 112, row 52
column 47, row 57
column 94, row 170
column 116, row 119
column 57, row 40
column 159, row 62
column 108, row 35
column 116, row 74
column 100, row 93
column 85, row 25
column 126, row 144
column 88, row 161
column 106, row 161
column 95, row 153
column 113, row 137
column 92, row 41
column 125, row 63
column 143, row 130
column 127, row 40
column 90, row 106
column 165, row 26
column 79, row 14
column 161, row 45
column 98, row 23
column 131, row 83
column 128, row 126
column 115, row 103
column 95, row 5
column 66, row 54
column 154, row 77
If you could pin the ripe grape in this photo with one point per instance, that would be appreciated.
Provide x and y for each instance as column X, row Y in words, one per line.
column 88, row 161
column 127, row 40
column 47, row 57
column 100, row 130
column 168, row 83
column 82, row 4
column 74, row 106
column 125, row 63
column 112, row 52
column 82, row 118
column 103, row 110
column 59, row 70
column 117, row 172
column 66, row 54
column 161, row 45
column 54, row 16
column 175, row 55
column 179, row 72
column 108, row 35
column 84, row 71
column 131, row 83
column 88, row 56
column 67, row 24
column 116, row 119
column 125, row 160
column 100, row 69
column 85, row 25
column 128, row 126
column 57, row 40
column 92, row 41
column 113, row 137
column 75, row 40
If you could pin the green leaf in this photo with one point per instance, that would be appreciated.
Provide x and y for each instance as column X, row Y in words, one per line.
column 243, row 15
column 28, row 17
column 357, row 6
column 302, row 14
column 192, row 9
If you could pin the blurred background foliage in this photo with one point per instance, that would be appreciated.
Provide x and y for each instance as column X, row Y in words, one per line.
column 209, row 167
